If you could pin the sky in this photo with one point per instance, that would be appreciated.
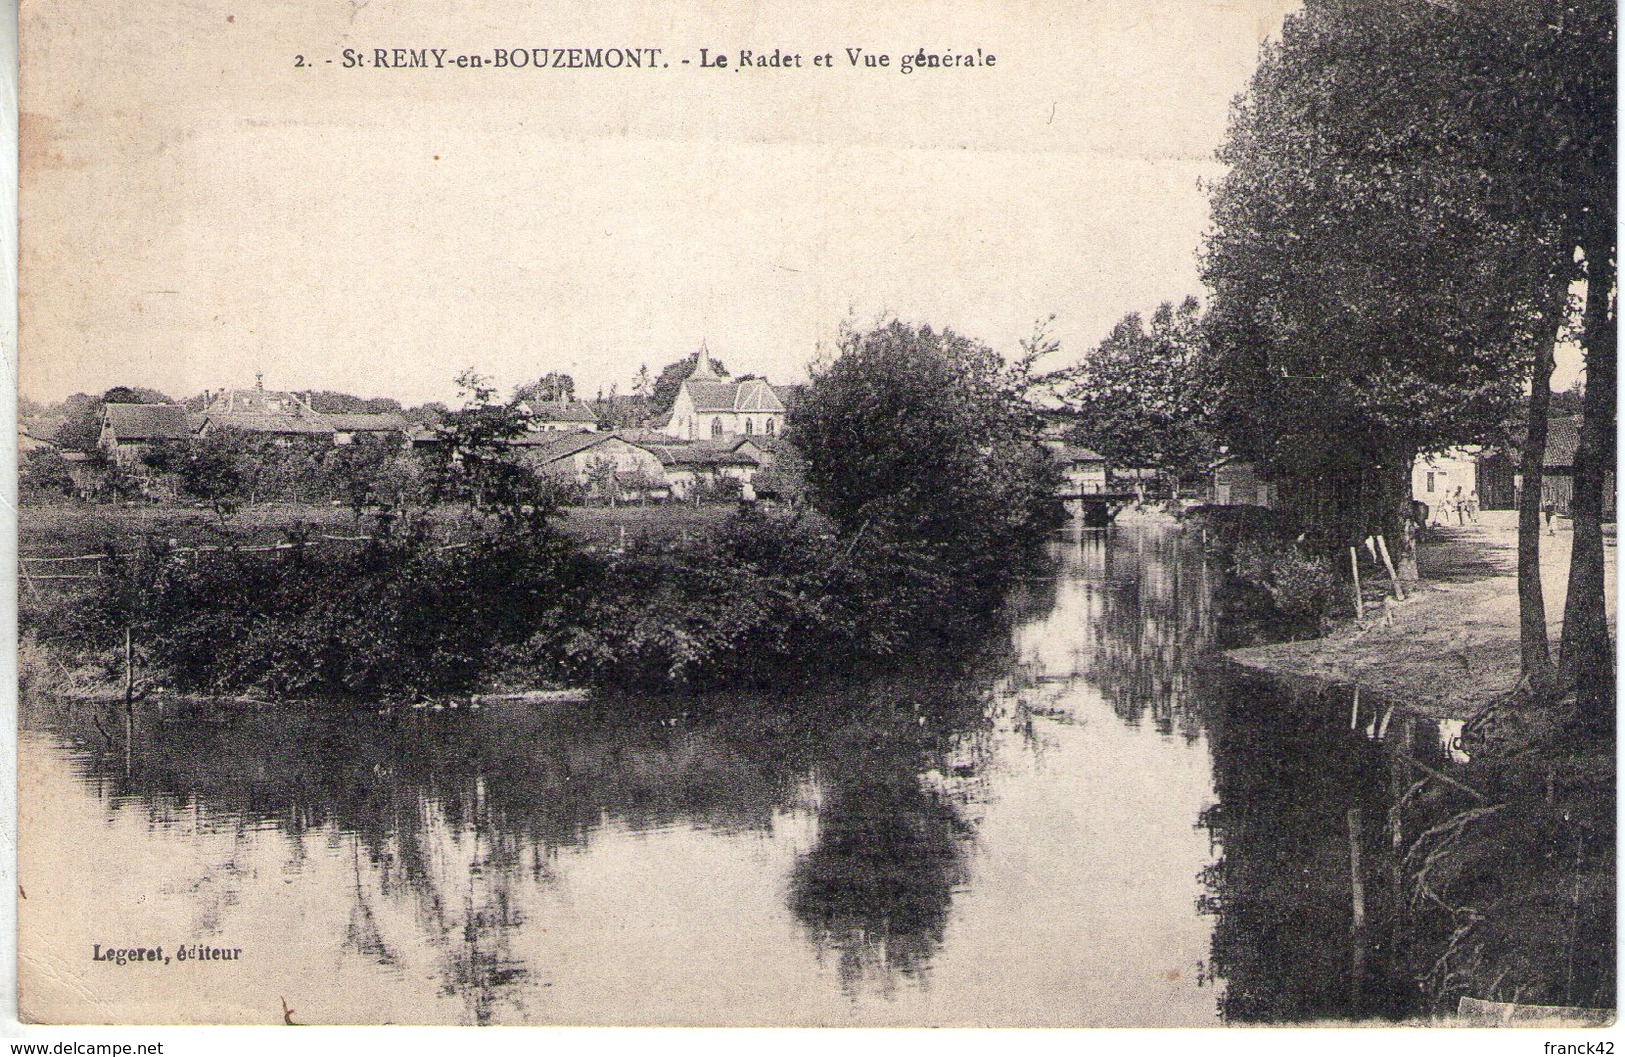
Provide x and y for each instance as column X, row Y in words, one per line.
column 198, row 208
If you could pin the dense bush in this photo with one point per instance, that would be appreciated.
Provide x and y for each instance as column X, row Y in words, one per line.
column 769, row 593
column 928, row 438
column 395, row 618
column 1300, row 586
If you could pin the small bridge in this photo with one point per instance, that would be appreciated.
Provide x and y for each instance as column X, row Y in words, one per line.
column 1095, row 509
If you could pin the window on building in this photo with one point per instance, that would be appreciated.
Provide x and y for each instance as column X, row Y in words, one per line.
column 1430, row 482
column 770, row 427
column 750, row 428
column 716, row 427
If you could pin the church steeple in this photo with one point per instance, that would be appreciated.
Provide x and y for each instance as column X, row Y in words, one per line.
column 703, row 370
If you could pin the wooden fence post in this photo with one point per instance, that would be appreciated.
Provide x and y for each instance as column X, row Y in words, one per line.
column 1382, row 545
column 1359, row 599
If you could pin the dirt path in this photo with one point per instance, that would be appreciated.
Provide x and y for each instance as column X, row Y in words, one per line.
column 1453, row 645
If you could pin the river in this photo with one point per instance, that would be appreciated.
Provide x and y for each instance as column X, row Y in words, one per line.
column 1098, row 826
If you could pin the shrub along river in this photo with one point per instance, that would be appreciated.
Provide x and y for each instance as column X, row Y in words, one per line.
column 1104, row 827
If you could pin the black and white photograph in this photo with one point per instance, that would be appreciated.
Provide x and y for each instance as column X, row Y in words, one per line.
column 830, row 515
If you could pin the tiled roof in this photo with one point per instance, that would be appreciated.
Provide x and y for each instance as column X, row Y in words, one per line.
column 241, row 401
column 1562, row 438
column 562, row 411
column 555, row 446
column 139, row 422
column 264, row 422
column 1074, row 453
column 754, row 395
column 367, row 422
column 680, row 455
column 757, row 395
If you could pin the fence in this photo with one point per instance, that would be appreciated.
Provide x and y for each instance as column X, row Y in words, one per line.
column 32, row 578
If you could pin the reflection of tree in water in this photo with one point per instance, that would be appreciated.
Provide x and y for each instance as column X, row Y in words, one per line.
column 451, row 813
column 1288, row 772
column 1155, row 620
column 455, row 814
column 877, row 887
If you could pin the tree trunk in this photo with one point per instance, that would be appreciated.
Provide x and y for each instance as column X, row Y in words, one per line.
column 1397, row 525
column 1534, row 648
column 1587, row 650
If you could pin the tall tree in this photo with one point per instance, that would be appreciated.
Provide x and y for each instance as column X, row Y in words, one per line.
column 926, row 436
column 1140, row 396
column 550, row 387
column 477, row 462
column 1394, row 241
column 663, row 393
column 81, row 427
column 1368, row 292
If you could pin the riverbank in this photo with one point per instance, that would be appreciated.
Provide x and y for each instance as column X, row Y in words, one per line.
column 1451, row 647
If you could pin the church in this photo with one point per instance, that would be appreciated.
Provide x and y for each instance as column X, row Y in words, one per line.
column 710, row 407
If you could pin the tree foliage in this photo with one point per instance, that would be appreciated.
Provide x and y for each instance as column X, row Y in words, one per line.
column 134, row 394
column 663, row 392
column 926, row 436
column 477, row 463
column 44, row 474
column 1368, row 283
column 327, row 401
column 1410, row 187
column 550, row 387
column 81, row 427
column 215, row 470
column 1141, row 396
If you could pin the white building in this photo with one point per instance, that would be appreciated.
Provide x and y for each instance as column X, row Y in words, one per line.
column 1437, row 477
column 708, row 406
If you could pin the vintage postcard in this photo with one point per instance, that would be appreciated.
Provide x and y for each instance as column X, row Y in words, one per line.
column 855, row 515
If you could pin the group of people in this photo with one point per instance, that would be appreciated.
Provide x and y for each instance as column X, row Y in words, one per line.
column 1465, row 507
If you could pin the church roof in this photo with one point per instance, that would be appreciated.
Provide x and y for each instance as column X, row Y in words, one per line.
column 703, row 371
column 754, row 395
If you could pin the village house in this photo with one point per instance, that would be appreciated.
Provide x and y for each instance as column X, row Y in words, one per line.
column 1436, row 479
column 386, row 426
column 1083, row 471
column 594, row 460
column 709, row 407
column 286, row 417
column 1242, row 482
column 28, row 442
column 694, row 468
column 1500, row 472
column 130, row 430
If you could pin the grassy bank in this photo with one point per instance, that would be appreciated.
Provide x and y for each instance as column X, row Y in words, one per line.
column 61, row 529
column 1509, row 866
column 1451, row 648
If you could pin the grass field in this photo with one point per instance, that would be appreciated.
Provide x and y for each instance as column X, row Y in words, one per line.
column 66, row 529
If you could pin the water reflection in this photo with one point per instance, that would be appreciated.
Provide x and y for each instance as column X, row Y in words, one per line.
column 876, row 888
column 1083, row 824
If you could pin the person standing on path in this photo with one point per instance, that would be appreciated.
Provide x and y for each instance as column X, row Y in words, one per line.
column 1550, row 510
